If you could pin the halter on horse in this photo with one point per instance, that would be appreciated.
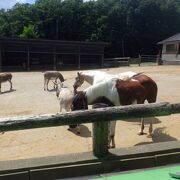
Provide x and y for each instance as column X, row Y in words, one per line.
column 113, row 92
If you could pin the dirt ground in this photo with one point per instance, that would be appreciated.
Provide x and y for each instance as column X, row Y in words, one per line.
column 28, row 97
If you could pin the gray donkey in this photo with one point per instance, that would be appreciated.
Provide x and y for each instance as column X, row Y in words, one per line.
column 5, row 77
column 52, row 75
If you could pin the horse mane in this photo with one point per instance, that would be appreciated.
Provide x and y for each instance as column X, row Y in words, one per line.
column 138, row 74
column 79, row 101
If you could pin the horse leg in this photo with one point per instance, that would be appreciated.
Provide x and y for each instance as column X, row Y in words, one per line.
column 142, row 127
column 55, row 82
column 113, row 141
column 109, row 138
column 10, row 84
column 60, row 108
column 47, row 82
column 44, row 84
column 109, row 141
column 77, row 125
column 0, row 87
column 112, row 133
column 150, row 129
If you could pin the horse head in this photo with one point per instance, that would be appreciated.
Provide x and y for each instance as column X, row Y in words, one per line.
column 79, row 101
column 79, row 80
column 57, row 87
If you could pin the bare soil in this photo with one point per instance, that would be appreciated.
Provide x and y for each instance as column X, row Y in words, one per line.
column 28, row 97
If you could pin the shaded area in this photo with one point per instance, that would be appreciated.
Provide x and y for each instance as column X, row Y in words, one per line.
column 9, row 91
column 84, row 131
column 159, row 135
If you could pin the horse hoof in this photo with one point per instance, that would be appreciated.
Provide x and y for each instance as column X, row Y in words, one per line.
column 141, row 133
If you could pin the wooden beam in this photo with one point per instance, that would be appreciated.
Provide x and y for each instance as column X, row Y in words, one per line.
column 99, row 117
column 89, row 116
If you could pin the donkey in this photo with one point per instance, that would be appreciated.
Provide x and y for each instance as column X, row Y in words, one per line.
column 52, row 75
column 5, row 77
column 113, row 92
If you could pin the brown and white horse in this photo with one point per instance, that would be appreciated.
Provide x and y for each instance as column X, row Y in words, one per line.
column 114, row 92
column 94, row 77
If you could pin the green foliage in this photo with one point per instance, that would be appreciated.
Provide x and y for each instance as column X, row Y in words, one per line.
column 140, row 24
column 29, row 32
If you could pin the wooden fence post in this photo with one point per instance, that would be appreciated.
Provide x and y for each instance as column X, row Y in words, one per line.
column 140, row 59
column 100, row 138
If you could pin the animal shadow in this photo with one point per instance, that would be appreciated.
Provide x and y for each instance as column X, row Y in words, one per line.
column 84, row 131
column 9, row 91
column 51, row 90
column 159, row 135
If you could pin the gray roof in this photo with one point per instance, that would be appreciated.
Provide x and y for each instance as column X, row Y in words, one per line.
column 175, row 38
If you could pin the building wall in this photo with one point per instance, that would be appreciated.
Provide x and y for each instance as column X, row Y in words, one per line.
column 48, row 54
column 171, row 57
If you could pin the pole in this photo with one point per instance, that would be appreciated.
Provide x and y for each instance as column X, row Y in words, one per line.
column 100, row 138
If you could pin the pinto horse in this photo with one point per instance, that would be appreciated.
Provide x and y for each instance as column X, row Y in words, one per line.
column 94, row 77
column 113, row 92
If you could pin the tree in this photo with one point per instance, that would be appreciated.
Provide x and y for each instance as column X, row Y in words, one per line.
column 29, row 32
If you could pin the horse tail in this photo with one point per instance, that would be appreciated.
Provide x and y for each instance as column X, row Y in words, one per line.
column 152, row 96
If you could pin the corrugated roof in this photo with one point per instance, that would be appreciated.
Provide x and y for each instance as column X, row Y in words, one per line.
column 174, row 38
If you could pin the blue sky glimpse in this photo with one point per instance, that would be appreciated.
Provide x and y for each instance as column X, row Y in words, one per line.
column 7, row 4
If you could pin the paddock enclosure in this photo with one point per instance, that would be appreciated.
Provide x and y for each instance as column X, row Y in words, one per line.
column 28, row 97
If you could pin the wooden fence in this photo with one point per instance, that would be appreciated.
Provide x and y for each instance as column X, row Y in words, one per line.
column 116, row 62
column 99, row 118
column 149, row 58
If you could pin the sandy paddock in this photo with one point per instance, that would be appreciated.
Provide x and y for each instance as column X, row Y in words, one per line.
column 28, row 97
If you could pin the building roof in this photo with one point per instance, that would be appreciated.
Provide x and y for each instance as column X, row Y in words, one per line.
column 174, row 38
column 47, row 41
column 52, row 46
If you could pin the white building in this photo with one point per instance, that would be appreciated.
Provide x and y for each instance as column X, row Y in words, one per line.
column 171, row 50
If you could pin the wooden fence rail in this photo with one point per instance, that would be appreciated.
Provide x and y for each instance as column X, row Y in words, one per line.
column 99, row 118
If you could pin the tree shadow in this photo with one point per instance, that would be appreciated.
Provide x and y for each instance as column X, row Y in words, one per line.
column 159, row 135
column 9, row 91
column 84, row 131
